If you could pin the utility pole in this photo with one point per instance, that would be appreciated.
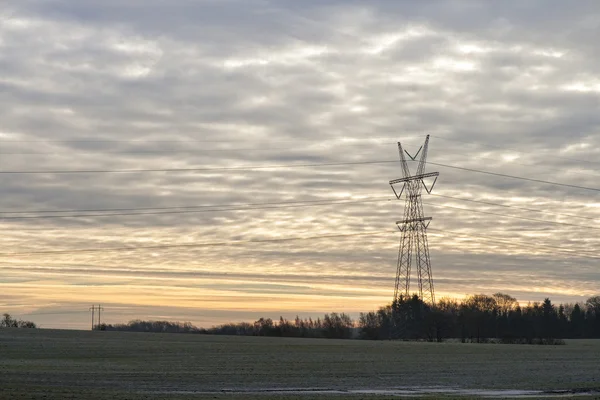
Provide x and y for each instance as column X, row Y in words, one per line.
column 92, row 308
column 100, row 308
column 414, row 228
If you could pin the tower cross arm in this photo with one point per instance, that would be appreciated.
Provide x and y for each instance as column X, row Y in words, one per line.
column 409, row 221
column 414, row 177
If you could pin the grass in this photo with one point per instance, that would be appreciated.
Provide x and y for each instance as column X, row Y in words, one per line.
column 112, row 365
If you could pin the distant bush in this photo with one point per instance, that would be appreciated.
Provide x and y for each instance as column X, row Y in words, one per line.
column 151, row 326
column 9, row 322
column 546, row 342
column 332, row 326
column 550, row 342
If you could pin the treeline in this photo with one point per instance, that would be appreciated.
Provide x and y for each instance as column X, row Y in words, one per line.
column 482, row 318
column 331, row 326
column 9, row 322
column 339, row 326
column 478, row 318
column 151, row 326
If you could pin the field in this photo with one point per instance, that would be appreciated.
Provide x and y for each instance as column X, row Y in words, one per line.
column 115, row 365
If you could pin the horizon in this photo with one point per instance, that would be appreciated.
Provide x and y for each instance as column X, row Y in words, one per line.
column 273, row 316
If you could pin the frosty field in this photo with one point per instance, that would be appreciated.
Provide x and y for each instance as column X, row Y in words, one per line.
column 78, row 364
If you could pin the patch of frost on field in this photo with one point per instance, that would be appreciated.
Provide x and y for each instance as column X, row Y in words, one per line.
column 399, row 391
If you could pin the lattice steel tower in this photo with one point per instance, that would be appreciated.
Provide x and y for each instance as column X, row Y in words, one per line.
column 414, row 228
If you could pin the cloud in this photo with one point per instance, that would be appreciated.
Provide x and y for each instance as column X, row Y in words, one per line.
column 505, row 87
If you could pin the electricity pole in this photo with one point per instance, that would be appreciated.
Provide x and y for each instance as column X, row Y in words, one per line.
column 92, row 308
column 100, row 308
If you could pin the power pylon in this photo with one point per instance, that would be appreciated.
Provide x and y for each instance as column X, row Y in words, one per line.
column 414, row 228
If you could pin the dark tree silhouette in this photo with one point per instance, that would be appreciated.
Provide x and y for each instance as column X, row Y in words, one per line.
column 478, row 318
column 9, row 322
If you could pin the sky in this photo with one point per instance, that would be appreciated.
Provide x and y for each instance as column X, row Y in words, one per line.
column 167, row 108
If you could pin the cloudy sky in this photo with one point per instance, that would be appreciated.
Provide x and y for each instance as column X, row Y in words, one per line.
column 229, row 123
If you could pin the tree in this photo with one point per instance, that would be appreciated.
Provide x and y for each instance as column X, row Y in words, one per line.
column 301, row 326
column 337, row 326
column 263, row 327
column 411, row 319
column 385, row 318
column 448, row 311
column 563, row 323
column 593, row 316
column 284, row 327
column 593, row 303
column 505, row 305
column 504, row 302
column 479, row 317
column 9, row 322
column 577, row 322
column 549, row 320
column 369, row 325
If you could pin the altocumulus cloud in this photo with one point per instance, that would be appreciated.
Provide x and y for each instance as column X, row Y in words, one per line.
column 507, row 87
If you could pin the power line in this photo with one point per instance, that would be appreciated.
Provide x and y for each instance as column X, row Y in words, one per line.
column 510, row 149
column 515, row 177
column 184, row 141
column 259, row 167
column 323, row 201
column 244, row 168
column 187, row 150
column 53, row 313
column 205, row 209
column 555, row 249
column 283, row 205
column 101, row 152
column 514, row 207
column 513, row 216
column 580, row 171
column 316, row 237
column 128, row 141
column 188, row 140
column 203, row 151
column 173, row 207
column 184, row 245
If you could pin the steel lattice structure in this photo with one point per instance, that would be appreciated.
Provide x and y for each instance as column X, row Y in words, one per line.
column 414, row 227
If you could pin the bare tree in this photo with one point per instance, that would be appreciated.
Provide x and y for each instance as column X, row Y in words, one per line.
column 505, row 303
column 593, row 304
column 9, row 322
